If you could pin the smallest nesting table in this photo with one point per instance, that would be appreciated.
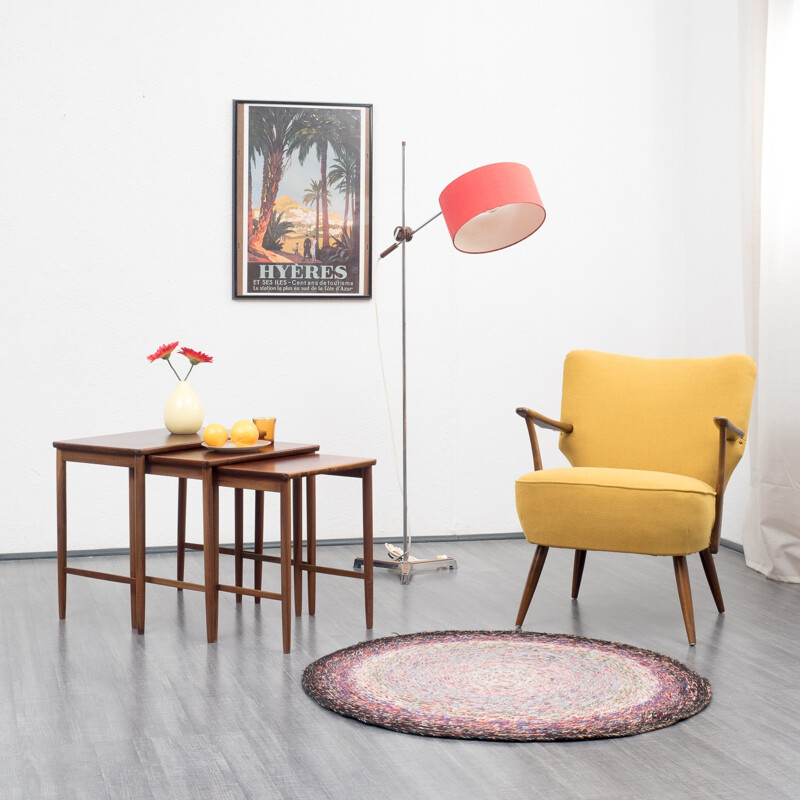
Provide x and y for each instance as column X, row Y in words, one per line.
column 266, row 475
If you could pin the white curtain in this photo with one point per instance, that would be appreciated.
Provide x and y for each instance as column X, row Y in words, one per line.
column 771, row 248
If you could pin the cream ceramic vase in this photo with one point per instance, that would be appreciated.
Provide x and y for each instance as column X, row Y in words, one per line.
column 184, row 411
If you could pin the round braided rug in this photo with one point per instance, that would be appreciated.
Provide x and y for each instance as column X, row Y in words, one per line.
column 509, row 686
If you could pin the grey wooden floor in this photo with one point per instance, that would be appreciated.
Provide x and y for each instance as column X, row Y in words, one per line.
column 91, row 710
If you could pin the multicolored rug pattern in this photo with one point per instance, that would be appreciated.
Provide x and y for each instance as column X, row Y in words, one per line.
column 508, row 686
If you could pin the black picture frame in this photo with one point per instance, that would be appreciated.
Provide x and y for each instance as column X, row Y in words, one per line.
column 289, row 159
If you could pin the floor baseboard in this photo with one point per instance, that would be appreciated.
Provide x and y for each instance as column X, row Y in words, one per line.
column 467, row 537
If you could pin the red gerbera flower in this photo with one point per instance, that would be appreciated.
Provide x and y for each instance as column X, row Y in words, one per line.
column 195, row 356
column 165, row 351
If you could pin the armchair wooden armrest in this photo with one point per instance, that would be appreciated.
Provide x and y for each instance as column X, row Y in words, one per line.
column 545, row 422
column 731, row 431
column 532, row 419
column 728, row 432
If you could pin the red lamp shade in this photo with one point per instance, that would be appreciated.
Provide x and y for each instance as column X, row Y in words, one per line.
column 492, row 207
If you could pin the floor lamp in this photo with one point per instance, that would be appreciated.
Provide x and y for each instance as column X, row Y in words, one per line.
column 486, row 209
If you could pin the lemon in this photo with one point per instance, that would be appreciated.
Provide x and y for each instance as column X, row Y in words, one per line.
column 214, row 435
column 244, row 433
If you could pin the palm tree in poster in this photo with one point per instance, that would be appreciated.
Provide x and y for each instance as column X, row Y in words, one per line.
column 273, row 135
column 314, row 195
column 320, row 130
column 343, row 178
column 353, row 148
column 277, row 229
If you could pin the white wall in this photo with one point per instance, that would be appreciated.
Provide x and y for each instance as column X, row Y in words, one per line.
column 115, row 234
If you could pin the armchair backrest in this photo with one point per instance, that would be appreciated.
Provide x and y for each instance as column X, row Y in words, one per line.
column 654, row 413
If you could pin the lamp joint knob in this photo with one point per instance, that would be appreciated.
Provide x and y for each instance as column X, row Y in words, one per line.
column 403, row 234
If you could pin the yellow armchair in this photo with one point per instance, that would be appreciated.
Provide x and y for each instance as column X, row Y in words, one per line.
column 650, row 455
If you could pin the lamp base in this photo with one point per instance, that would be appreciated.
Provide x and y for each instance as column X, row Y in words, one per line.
column 406, row 569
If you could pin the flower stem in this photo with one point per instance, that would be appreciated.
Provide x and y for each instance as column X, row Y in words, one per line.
column 173, row 369
column 189, row 372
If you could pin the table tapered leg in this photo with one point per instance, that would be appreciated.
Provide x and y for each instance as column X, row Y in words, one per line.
column 258, row 539
column 181, row 529
column 297, row 534
column 238, row 533
column 311, row 537
column 137, row 485
column 366, row 503
column 61, row 528
column 211, row 552
column 286, row 566
column 133, row 545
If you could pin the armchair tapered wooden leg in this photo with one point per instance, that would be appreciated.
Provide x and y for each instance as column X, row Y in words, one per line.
column 711, row 576
column 577, row 571
column 685, row 595
column 530, row 585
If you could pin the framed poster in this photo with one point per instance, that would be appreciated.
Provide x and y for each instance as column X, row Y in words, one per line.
column 302, row 208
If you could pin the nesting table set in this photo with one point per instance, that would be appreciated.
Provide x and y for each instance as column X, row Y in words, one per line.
column 279, row 467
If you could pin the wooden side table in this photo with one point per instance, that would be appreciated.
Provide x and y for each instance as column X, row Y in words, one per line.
column 129, row 450
column 278, row 475
column 134, row 450
column 202, row 464
column 283, row 476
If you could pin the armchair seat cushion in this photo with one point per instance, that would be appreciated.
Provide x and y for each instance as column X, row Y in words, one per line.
column 623, row 510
